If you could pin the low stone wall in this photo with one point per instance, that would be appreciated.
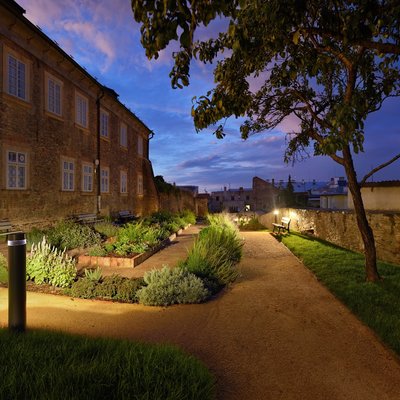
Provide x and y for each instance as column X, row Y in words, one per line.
column 340, row 228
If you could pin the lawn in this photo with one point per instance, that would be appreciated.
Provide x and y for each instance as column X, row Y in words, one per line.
column 48, row 365
column 342, row 271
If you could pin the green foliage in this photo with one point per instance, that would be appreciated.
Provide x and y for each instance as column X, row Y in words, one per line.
column 84, row 288
column 223, row 220
column 113, row 287
column 47, row 365
column 171, row 286
column 188, row 216
column 35, row 236
column 99, row 251
column 215, row 254
column 70, row 235
column 94, row 274
column 3, row 269
column 164, row 187
column 106, row 229
column 253, row 224
column 137, row 238
column 47, row 264
column 376, row 304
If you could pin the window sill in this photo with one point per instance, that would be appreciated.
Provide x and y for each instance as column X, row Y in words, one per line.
column 54, row 116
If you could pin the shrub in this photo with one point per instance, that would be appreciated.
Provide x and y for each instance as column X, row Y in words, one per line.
column 84, row 288
column 70, row 235
column 3, row 269
column 109, row 287
column 94, row 274
column 106, row 229
column 112, row 287
column 215, row 254
column 251, row 225
column 222, row 220
column 98, row 251
column 136, row 238
column 171, row 286
column 188, row 216
column 46, row 264
column 35, row 236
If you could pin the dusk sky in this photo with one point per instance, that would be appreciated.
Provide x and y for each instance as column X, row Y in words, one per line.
column 103, row 37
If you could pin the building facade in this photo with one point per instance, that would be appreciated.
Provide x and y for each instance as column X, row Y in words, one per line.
column 67, row 144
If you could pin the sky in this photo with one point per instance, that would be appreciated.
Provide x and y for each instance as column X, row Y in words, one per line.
column 103, row 37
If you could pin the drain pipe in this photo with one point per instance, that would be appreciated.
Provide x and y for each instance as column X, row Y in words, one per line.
column 97, row 160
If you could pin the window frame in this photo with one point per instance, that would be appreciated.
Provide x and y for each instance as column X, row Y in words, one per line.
column 87, row 178
column 140, row 187
column 124, row 143
column 123, row 182
column 20, row 60
column 57, row 82
column 18, row 164
column 104, row 169
column 104, row 128
column 70, row 162
column 78, row 112
column 140, row 146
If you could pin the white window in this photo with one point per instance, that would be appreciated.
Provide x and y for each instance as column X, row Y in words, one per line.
column 87, row 177
column 123, row 135
column 104, row 122
column 16, row 170
column 105, row 180
column 17, row 81
column 140, row 184
column 81, row 107
column 140, row 146
column 68, row 175
column 124, row 182
column 54, row 93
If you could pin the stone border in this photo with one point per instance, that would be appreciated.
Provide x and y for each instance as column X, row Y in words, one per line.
column 124, row 262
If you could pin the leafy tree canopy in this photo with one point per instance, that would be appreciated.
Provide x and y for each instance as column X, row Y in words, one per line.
column 330, row 63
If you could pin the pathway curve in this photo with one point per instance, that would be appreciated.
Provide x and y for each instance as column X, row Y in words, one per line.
column 276, row 334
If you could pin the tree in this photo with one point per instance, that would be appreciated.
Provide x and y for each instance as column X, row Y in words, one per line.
column 331, row 63
column 288, row 194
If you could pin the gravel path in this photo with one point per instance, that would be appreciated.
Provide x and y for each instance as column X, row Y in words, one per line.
column 276, row 334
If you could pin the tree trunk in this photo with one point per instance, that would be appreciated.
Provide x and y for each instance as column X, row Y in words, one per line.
column 367, row 235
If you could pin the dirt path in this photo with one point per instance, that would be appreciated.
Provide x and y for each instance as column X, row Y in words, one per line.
column 276, row 334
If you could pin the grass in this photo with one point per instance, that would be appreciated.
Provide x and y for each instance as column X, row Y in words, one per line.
column 3, row 269
column 342, row 271
column 47, row 365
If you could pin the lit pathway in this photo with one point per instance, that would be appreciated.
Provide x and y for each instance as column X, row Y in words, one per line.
column 276, row 334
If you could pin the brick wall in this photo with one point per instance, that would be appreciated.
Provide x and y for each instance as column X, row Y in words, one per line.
column 179, row 201
column 340, row 228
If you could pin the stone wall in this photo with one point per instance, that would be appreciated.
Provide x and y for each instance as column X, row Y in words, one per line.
column 177, row 201
column 340, row 228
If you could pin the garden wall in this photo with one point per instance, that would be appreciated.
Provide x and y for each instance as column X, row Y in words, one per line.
column 177, row 201
column 340, row 228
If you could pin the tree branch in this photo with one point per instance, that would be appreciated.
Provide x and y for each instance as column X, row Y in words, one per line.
column 379, row 167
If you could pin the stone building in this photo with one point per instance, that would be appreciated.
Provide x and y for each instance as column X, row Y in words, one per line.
column 67, row 144
column 262, row 196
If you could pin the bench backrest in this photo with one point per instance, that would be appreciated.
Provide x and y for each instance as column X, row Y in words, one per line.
column 286, row 221
column 5, row 225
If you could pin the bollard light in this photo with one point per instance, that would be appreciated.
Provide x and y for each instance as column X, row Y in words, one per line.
column 16, row 281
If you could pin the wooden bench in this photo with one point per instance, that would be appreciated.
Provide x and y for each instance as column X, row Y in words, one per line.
column 125, row 216
column 283, row 226
column 5, row 225
column 86, row 218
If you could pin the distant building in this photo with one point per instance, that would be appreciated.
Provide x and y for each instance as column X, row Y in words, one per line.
column 333, row 195
column 380, row 196
column 262, row 196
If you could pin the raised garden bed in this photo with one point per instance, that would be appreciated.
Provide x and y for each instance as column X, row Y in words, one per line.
column 124, row 262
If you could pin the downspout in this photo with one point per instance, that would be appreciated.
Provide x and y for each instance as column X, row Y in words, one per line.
column 151, row 135
column 97, row 161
